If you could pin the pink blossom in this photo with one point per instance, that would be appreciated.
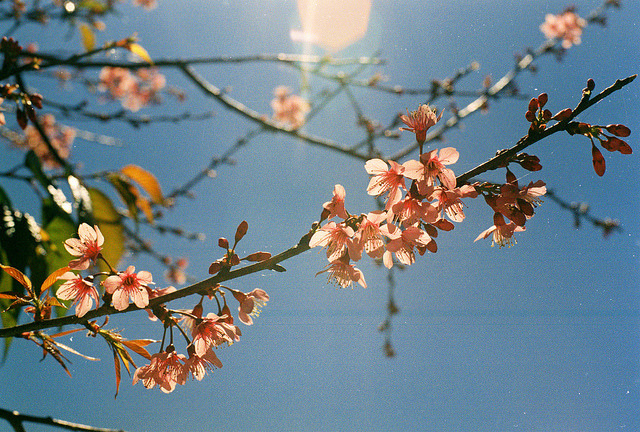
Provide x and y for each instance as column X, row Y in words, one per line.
column 343, row 274
column 369, row 236
column 449, row 200
column 386, row 180
column 147, row 4
column 87, row 247
column 336, row 238
column 134, row 91
column 129, row 285
column 566, row 26
column 250, row 304
column 410, row 210
column 197, row 366
column 402, row 244
column 502, row 232
column 117, row 81
column 80, row 290
column 211, row 331
column 420, row 121
column 60, row 137
column 335, row 207
column 153, row 293
column 165, row 370
column 432, row 166
column 288, row 108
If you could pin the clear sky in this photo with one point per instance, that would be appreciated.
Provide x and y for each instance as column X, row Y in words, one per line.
column 543, row 336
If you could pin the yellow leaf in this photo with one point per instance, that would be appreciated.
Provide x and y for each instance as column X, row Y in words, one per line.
column 140, row 52
column 146, row 180
column 88, row 38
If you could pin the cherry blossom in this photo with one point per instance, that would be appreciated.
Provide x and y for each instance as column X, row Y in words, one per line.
column 432, row 166
column 420, row 121
column 342, row 273
column 368, row 236
column 129, row 285
column 336, row 238
column 60, row 137
column 566, row 26
column 449, row 201
column 211, row 331
column 197, row 366
column 147, row 4
column 87, row 247
column 502, row 232
column 289, row 108
column 82, row 292
column 165, row 370
column 335, row 207
column 403, row 242
column 250, row 304
column 386, row 179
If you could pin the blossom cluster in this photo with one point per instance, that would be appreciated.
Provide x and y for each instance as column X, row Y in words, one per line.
column 134, row 90
column 421, row 197
column 566, row 26
column 288, row 108
column 61, row 139
column 166, row 368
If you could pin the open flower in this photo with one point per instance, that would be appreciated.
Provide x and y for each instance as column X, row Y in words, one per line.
column 87, row 247
column 288, row 108
column 211, row 331
column 129, row 285
column 336, row 238
column 82, row 292
column 432, row 166
column 165, row 370
column 335, row 207
column 502, row 232
column 250, row 304
column 420, row 121
column 343, row 274
column 402, row 244
column 386, row 179
column 197, row 366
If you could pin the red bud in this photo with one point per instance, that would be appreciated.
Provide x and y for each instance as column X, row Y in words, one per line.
column 530, row 116
column 223, row 243
column 563, row 115
column 591, row 84
column 21, row 117
column 533, row 105
column 258, row 256
column 542, row 99
column 598, row 161
column 241, row 231
column 215, row 267
column 619, row 130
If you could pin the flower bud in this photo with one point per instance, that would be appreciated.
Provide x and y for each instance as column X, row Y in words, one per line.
column 21, row 117
column 598, row 161
column 619, row 130
column 241, row 231
column 533, row 105
column 563, row 115
column 546, row 115
column 223, row 243
column 542, row 99
column 591, row 84
column 530, row 116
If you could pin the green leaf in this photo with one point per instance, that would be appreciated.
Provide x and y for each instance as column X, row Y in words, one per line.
column 110, row 223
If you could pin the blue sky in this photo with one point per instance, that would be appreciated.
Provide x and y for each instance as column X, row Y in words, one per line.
column 538, row 337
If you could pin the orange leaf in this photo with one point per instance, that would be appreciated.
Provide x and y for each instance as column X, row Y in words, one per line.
column 19, row 276
column 52, row 278
column 146, row 180
column 116, row 360
column 137, row 346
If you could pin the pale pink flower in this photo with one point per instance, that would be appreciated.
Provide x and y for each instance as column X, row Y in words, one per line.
column 386, row 179
column 118, row 82
column 336, row 238
column 566, row 26
column 250, row 304
column 420, row 121
column 198, row 366
column 502, row 232
column 129, row 285
column 335, row 207
column 288, row 108
column 449, row 201
column 402, row 243
column 369, row 236
column 409, row 211
column 87, row 247
column 61, row 138
column 134, row 91
column 165, row 370
column 343, row 274
column 80, row 290
column 211, row 331
column 147, row 4
column 153, row 293
column 432, row 166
